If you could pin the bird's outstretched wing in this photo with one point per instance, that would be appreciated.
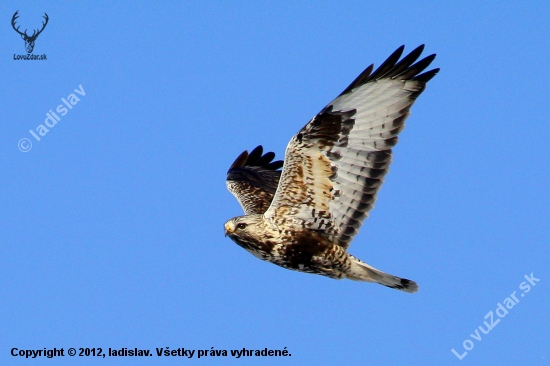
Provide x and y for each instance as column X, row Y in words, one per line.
column 335, row 165
column 253, row 179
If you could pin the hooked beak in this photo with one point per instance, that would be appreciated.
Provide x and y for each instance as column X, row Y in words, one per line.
column 228, row 229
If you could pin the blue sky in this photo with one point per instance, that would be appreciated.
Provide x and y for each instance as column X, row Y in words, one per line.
column 112, row 224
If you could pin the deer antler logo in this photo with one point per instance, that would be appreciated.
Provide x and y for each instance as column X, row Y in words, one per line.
column 29, row 40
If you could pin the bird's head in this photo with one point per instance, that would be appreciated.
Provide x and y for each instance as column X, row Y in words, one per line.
column 243, row 227
column 250, row 233
column 238, row 225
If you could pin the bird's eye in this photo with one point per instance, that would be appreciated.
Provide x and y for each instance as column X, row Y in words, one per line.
column 241, row 225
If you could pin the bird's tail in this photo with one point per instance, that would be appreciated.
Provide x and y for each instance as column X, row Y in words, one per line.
column 361, row 271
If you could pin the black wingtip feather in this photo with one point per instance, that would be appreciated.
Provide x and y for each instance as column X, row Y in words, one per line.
column 240, row 161
column 255, row 158
column 427, row 76
column 255, row 155
column 360, row 80
column 393, row 68
column 388, row 64
column 266, row 159
column 404, row 63
column 418, row 67
column 275, row 165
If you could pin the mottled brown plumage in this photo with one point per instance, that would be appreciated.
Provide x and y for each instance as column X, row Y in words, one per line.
column 333, row 169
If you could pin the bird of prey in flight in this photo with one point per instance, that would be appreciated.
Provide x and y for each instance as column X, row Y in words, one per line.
column 304, row 216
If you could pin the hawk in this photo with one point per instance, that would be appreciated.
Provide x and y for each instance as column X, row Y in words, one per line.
column 304, row 217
